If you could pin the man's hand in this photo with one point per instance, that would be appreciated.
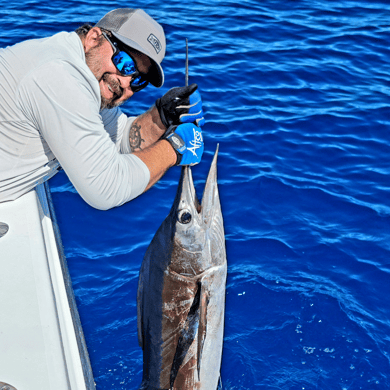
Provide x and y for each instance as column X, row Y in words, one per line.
column 187, row 142
column 181, row 105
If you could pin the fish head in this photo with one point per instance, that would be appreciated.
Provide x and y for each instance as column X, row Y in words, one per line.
column 198, row 235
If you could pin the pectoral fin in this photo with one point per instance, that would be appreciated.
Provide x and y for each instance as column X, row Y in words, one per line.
column 187, row 336
column 196, row 322
column 202, row 329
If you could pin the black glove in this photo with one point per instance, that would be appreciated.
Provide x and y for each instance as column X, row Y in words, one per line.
column 181, row 105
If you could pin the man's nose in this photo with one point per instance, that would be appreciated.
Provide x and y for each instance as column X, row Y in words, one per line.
column 125, row 84
column 125, row 81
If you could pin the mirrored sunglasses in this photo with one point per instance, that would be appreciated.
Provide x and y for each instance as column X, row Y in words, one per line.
column 126, row 65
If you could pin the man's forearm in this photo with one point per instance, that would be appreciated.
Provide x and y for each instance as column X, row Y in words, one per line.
column 158, row 157
column 146, row 130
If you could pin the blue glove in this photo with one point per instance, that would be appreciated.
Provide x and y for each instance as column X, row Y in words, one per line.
column 187, row 142
column 181, row 105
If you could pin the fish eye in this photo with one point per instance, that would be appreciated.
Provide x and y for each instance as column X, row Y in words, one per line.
column 184, row 216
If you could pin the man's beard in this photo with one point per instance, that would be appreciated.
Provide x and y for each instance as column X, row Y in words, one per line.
column 93, row 61
column 114, row 101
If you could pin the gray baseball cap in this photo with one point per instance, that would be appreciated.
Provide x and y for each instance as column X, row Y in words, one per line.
column 136, row 29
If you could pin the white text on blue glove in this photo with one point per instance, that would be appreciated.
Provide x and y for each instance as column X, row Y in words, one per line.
column 187, row 140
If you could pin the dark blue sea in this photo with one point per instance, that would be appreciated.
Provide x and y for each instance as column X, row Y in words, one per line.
column 296, row 94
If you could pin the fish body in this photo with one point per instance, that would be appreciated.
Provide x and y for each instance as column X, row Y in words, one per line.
column 181, row 292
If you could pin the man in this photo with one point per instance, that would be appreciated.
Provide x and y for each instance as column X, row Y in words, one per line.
column 59, row 99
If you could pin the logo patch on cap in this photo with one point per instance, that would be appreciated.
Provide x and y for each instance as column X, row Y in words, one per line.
column 153, row 40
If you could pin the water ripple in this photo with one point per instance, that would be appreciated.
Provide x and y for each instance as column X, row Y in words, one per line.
column 297, row 96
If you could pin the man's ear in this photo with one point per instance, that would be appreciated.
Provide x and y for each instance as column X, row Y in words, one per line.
column 92, row 39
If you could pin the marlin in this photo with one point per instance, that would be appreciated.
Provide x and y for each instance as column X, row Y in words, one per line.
column 181, row 292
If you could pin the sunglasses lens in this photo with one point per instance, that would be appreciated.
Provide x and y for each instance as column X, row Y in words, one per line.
column 139, row 81
column 124, row 63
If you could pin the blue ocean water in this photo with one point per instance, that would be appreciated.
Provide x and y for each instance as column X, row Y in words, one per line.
column 296, row 93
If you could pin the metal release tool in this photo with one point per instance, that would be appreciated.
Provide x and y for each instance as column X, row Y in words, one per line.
column 186, row 62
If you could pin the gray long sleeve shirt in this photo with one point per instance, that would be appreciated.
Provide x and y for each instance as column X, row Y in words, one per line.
column 49, row 116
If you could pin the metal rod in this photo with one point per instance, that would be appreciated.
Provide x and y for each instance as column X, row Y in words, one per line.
column 186, row 62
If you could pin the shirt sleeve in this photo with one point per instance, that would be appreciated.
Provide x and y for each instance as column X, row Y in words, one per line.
column 118, row 125
column 63, row 103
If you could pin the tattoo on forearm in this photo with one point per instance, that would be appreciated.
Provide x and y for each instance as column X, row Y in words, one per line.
column 135, row 137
